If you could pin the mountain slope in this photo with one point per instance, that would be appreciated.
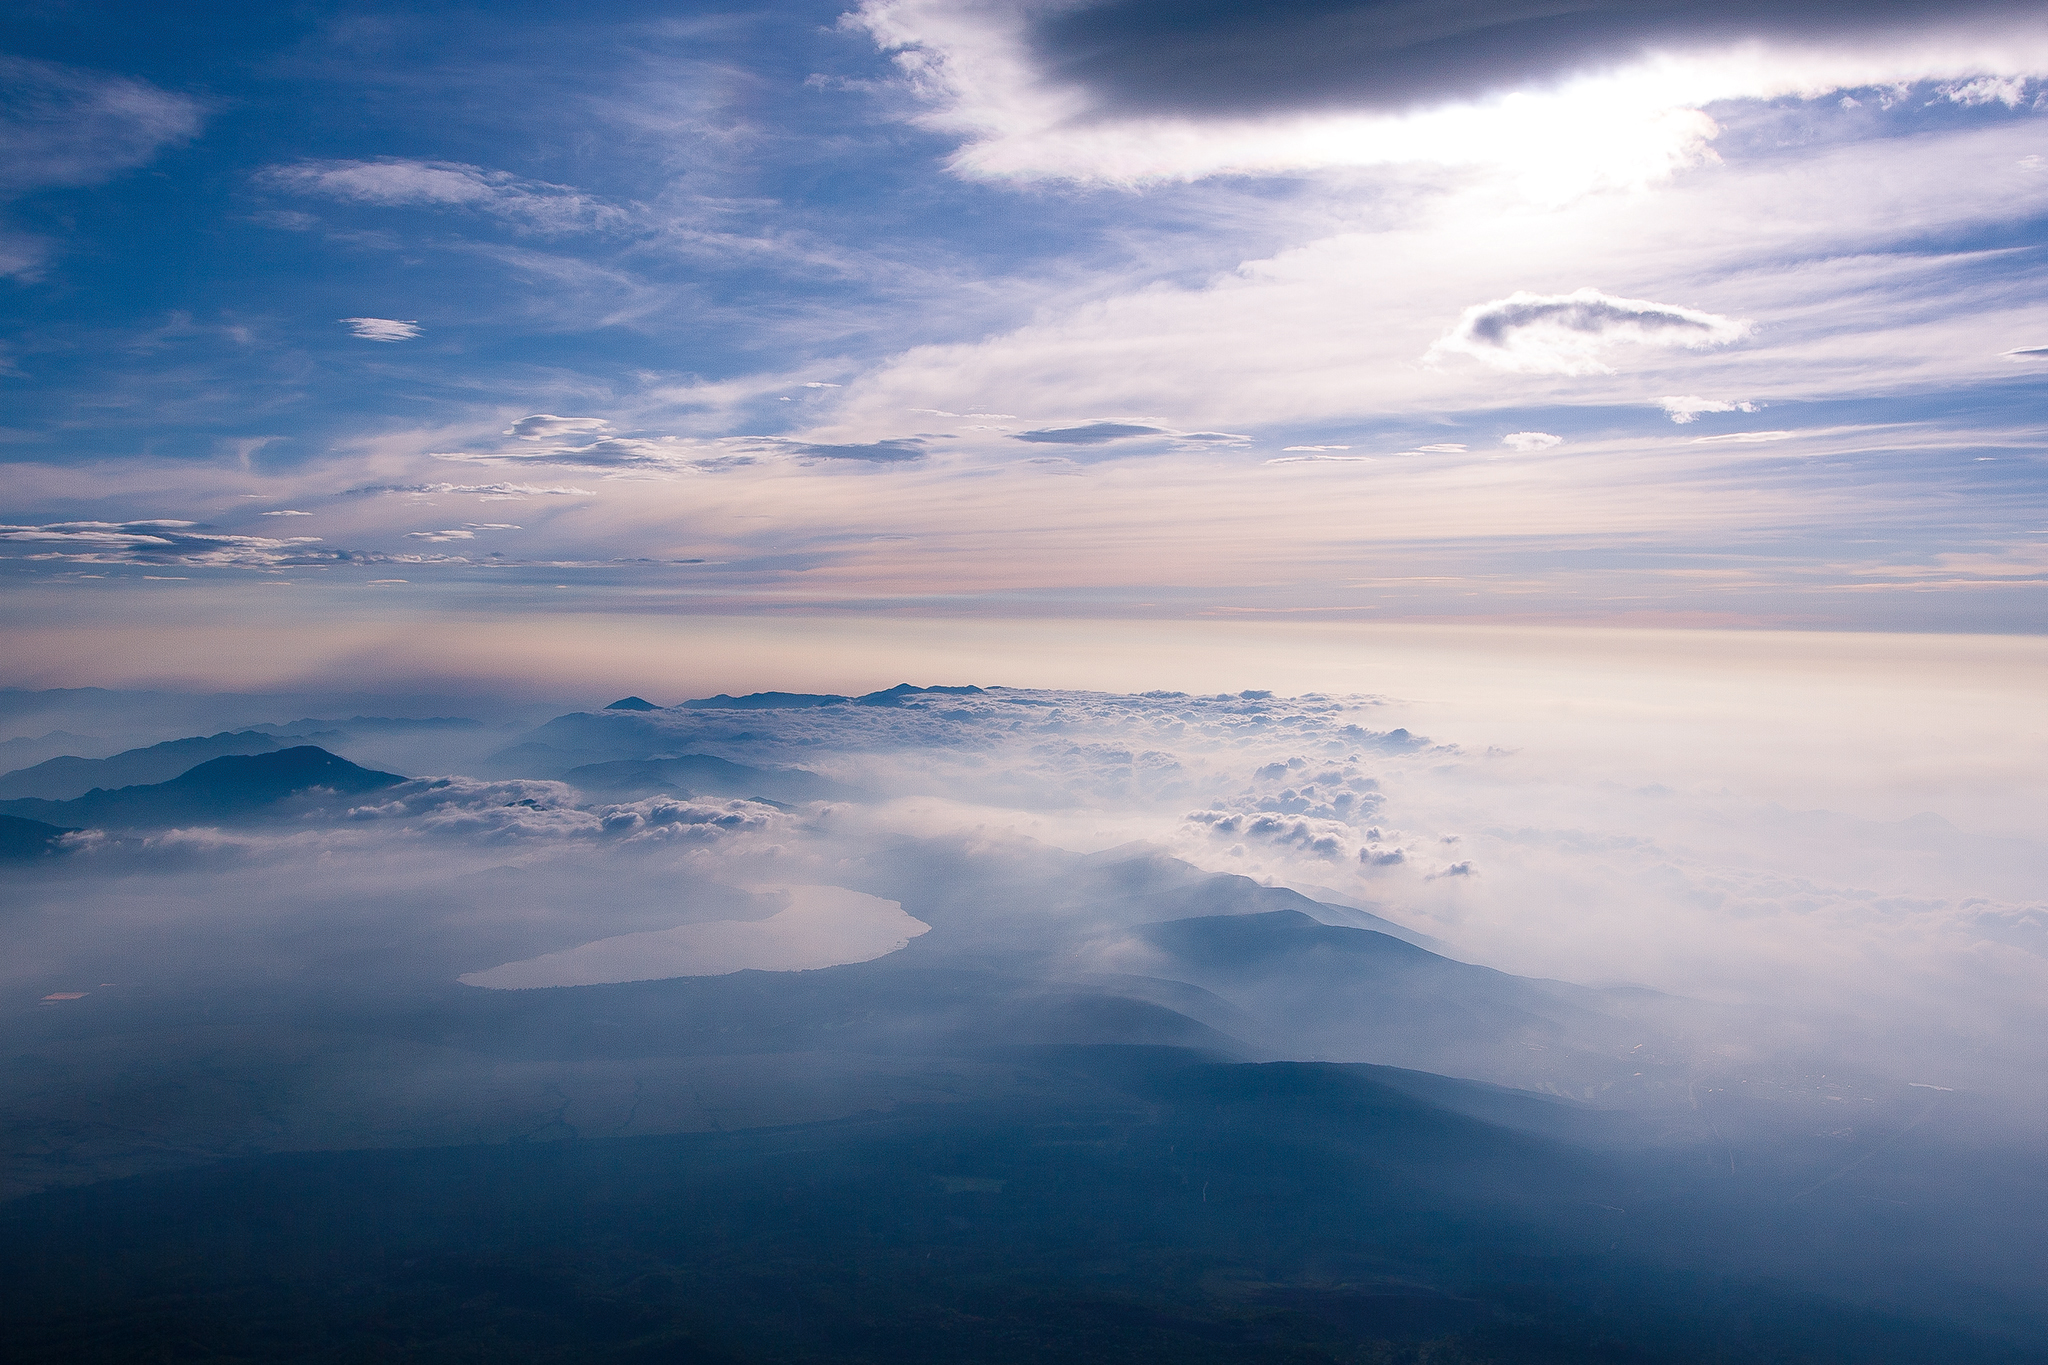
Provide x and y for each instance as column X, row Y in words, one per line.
column 22, row 839
column 61, row 779
column 233, row 786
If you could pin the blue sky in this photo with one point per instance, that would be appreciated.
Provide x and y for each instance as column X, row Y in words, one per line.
column 936, row 308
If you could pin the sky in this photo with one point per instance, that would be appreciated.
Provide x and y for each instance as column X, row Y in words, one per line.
column 334, row 318
column 1568, row 475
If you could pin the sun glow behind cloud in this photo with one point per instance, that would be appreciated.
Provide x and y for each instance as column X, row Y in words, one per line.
column 1625, row 126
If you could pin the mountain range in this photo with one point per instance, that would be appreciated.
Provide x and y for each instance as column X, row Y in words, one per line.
column 232, row 787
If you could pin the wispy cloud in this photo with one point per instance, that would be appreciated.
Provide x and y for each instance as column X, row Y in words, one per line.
column 534, row 205
column 382, row 329
column 63, row 126
column 164, row 542
column 1688, row 408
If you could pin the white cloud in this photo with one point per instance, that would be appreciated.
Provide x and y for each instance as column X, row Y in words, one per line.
column 1569, row 333
column 398, row 183
column 983, row 77
column 467, row 531
column 648, row 454
column 1687, row 408
column 484, row 490
column 1746, row 437
column 382, row 329
column 60, row 125
column 287, row 513
column 165, row 542
column 2010, row 91
column 1530, row 440
column 543, row 425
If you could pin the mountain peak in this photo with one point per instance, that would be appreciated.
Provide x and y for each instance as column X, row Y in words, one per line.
column 632, row 704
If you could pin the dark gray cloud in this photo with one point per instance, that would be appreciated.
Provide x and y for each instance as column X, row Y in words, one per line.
column 1091, row 434
column 1498, row 323
column 1222, row 57
column 1566, row 333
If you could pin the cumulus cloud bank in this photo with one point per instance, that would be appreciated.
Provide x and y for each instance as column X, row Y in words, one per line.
column 1570, row 333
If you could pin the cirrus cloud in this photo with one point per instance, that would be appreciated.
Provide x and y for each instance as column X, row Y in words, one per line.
column 395, row 182
column 382, row 329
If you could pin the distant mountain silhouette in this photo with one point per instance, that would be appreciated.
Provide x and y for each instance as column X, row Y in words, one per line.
column 704, row 774
column 766, row 701
column 26, row 749
column 60, row 779
column 22, row 839
column 895, row 696
column 231, row 787
column 632, row 704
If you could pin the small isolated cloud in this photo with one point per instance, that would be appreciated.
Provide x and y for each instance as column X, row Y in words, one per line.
column 1530, row 440
column 1322, row 459
column 892, row 451
column 820, row 384
column 288, row 513
column 1090, row 434
column 1221, row 437
column 382, row 329
column 396, row 183
column 1688, row 408
column 1441, row 448
column 1746, row 437
column 1315, row 449
column 467, row 531
column 1568, row 333
column 615, row 452
column 544, row 425
column 484, row 490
